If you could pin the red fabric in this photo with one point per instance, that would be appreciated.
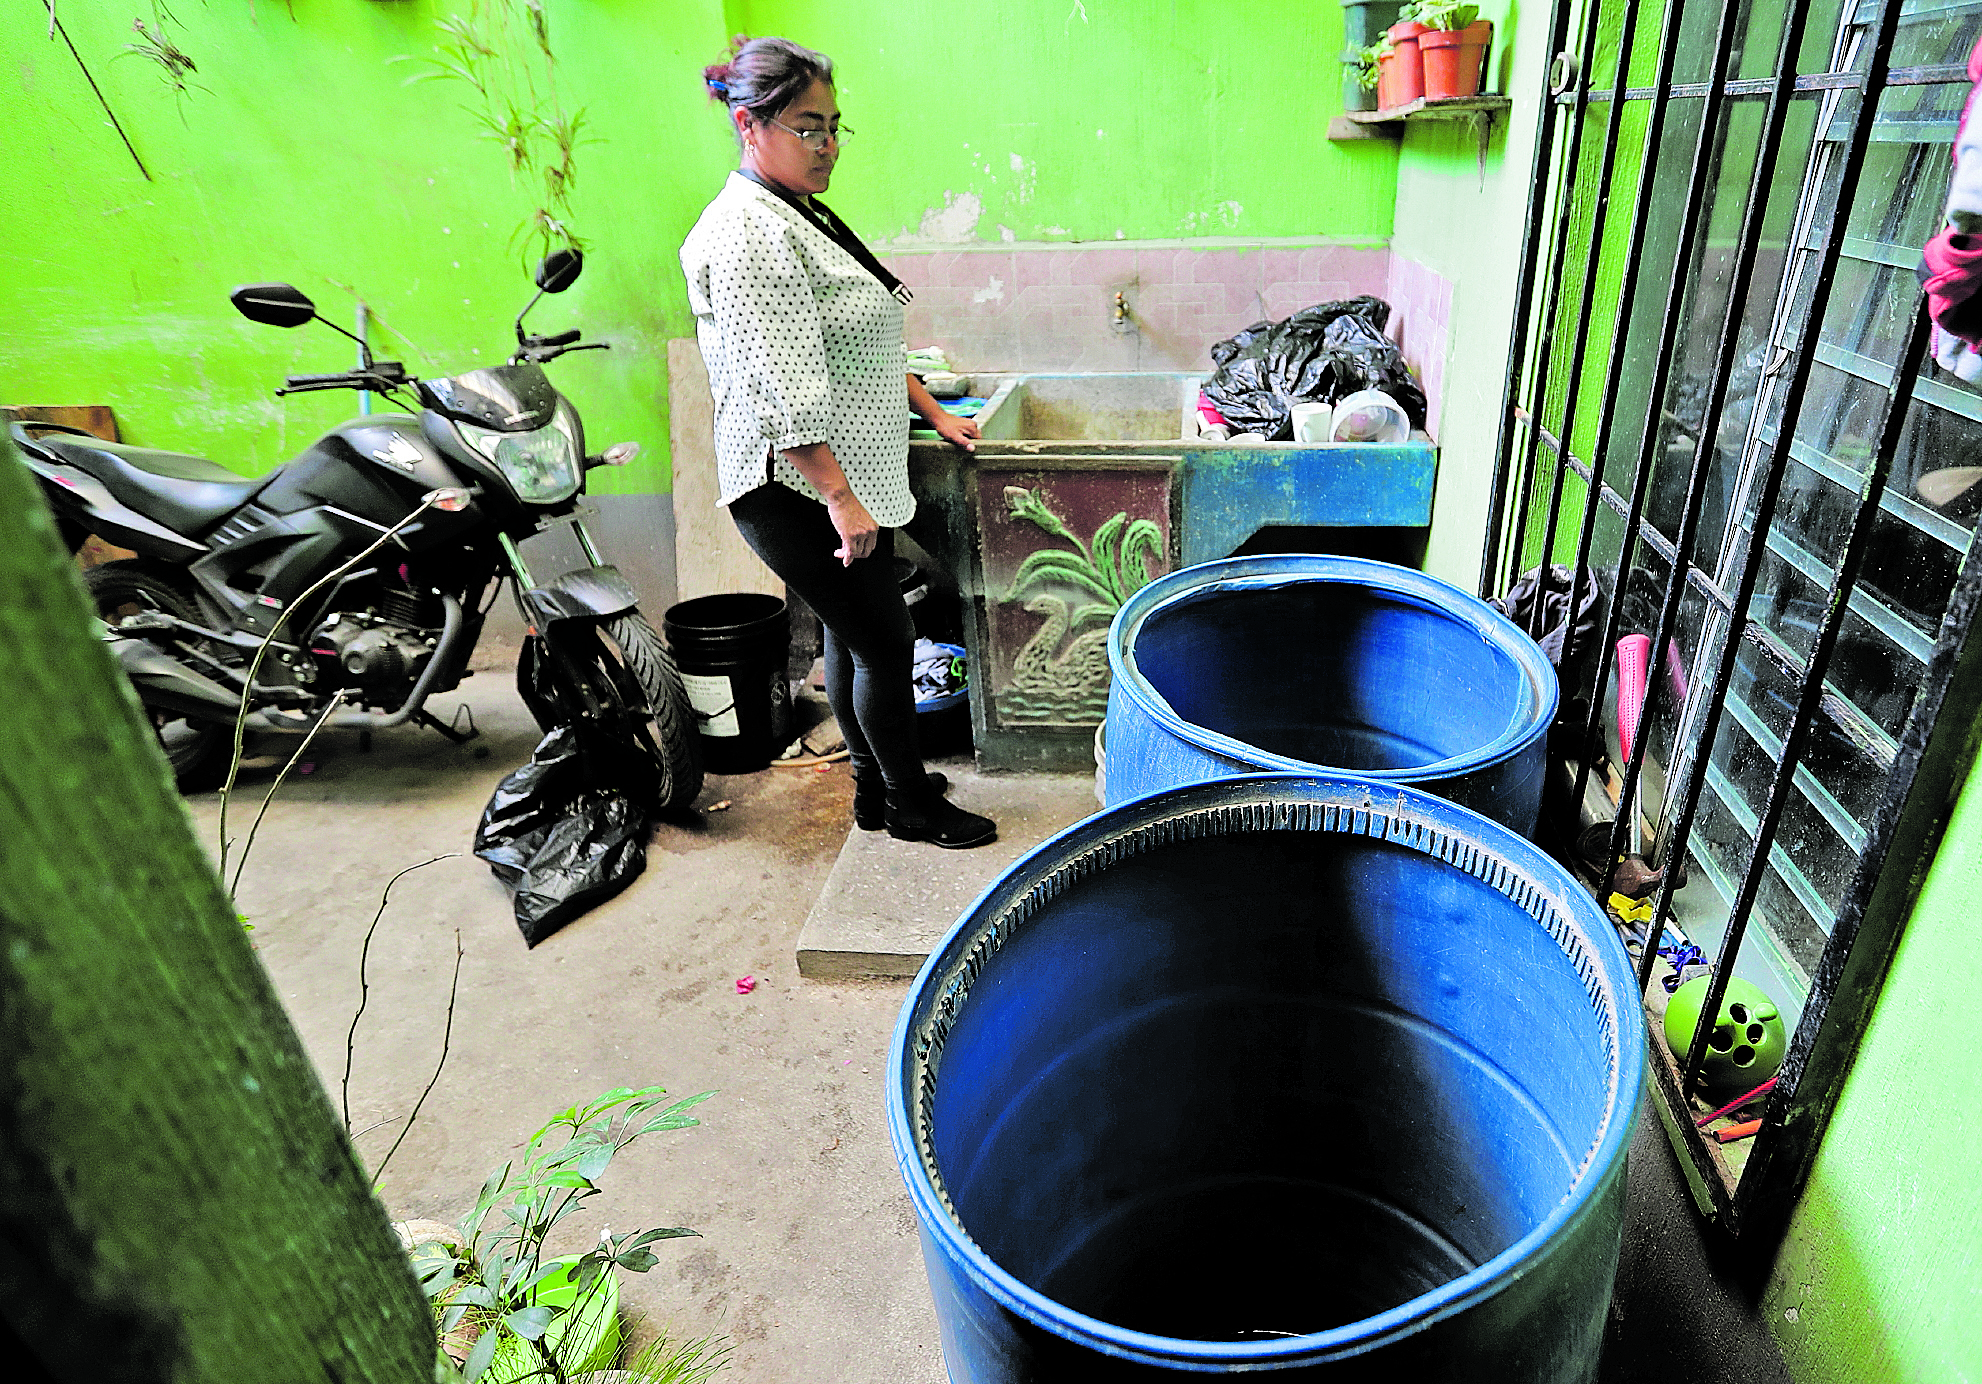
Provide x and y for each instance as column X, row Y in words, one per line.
column 1954, row 273
column 1952, row 268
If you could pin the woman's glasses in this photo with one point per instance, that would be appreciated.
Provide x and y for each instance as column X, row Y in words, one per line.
column 815, row 140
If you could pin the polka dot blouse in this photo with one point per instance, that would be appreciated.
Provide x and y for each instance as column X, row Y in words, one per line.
column 802, row 346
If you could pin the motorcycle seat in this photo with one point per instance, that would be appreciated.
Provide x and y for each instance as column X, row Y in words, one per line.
column 189, row 495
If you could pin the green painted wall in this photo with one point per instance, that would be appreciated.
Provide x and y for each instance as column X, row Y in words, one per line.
column 1461, row 206
column 302, row 154
column 1878, row 1277
column 1090, row 119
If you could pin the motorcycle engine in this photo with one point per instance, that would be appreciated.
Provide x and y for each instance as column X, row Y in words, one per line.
column 377, row 656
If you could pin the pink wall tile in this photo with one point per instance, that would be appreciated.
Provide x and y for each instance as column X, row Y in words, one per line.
column 1105, row 265
column 1420, row 325
column 1286, row 299
column 1051, row 308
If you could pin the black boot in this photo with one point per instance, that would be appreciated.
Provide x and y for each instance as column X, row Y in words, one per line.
column 930, row 817
column 870, row 798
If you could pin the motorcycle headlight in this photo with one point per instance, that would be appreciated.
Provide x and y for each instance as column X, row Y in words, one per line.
column 541, row 466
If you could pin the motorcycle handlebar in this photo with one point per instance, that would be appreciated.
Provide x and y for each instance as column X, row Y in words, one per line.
column 343, row 379
column 544, row 355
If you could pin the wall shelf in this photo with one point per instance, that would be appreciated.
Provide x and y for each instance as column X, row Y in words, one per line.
column 1389, row 124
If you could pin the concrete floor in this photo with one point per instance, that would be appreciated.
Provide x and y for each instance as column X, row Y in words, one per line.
column 808, row 1257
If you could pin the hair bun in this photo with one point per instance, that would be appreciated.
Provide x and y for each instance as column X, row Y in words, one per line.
column 716, row 77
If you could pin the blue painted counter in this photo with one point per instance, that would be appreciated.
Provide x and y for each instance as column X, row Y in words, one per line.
column 1065, row 440
column 1231, row 493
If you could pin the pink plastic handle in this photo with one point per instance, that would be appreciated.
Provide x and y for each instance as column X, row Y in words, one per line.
column 1634, row 664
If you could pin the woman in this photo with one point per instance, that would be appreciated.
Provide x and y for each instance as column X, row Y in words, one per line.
column 801, row 330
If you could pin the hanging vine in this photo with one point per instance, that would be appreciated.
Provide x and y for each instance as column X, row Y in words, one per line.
column 501, row 51
column 155, row 45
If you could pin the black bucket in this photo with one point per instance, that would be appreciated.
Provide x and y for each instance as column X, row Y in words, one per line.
column 932, row 605
column 731, row 651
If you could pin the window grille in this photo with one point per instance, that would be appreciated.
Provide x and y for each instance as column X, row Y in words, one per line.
column 1720, row 335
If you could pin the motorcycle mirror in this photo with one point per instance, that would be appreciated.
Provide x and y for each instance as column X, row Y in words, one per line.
column 559, row 270
column 273, row 305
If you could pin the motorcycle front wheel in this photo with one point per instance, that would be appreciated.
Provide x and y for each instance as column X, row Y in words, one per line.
column 629, row 671
column 632, row 648
column 198, row 751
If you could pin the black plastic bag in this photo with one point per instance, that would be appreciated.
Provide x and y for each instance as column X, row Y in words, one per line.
column 1542, row 612
column 560, row 841
column 1319, row 355
column 1364, row 358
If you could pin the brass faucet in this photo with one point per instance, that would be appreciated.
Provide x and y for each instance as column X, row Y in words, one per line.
column 1121, row 311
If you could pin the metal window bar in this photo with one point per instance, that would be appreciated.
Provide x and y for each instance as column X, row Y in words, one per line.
column 1908, row 511
column 1558, row 262
column 1600, row 191
column 1828, row 807
column 1877, row 372
column 1935, row 74
column 1866, row 734
column 1641, row 214
column 1754, row 214
column 1924, row 768
column 1661, row 375
column 1524, row 294
column 1856, row 546
column 1931, row 766
column 1888, row 622
column 1800, row 369
column 1801, row 889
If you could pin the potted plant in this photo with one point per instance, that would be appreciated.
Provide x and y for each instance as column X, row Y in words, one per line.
column 1363, row 23
column 504, row 1310
column 1453, row 48
column 1369, row 73
column 1403, row 71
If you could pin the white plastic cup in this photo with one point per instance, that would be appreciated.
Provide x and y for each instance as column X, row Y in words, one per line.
column 1312, row 422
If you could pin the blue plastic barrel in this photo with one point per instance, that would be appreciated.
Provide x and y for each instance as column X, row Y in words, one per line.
column 1310, row 1074
column 1309, row 663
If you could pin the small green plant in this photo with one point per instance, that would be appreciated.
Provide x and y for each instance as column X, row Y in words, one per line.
column 484, row 1285
column 1441, row 14
column 662, row 1361
column 501, row 51
column 1367, row 61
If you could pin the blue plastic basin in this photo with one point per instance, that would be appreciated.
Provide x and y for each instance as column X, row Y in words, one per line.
column 1306, row 1074
column 1311, row 663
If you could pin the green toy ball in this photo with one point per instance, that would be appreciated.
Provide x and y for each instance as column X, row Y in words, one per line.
column 1748, row 1041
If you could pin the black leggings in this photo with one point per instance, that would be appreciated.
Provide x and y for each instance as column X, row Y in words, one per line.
column 870, row 640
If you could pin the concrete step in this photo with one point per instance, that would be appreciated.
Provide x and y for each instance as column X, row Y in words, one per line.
column 887, row 902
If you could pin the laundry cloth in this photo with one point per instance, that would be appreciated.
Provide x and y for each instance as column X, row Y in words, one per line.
column 938, row 672
column 1951, row 263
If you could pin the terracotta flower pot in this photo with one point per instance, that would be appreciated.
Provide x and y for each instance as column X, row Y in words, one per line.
column 1386, row 82
column 1453, row 58
column 1405, row 68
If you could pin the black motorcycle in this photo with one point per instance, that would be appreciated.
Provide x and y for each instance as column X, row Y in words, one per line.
column 351, row 584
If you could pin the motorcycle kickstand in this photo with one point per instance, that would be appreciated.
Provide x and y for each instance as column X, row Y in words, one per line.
column 453, row 736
